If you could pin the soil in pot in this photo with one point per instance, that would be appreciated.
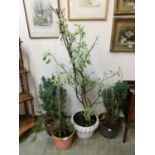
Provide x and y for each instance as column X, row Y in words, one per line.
column 108, row 128
column 65, row 141
column 80, row 119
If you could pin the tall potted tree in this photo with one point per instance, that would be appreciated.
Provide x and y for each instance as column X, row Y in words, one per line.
column 85, row 121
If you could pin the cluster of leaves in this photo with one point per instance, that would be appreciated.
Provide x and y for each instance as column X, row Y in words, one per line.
column 79, row 55
column 47, row 94
column 52, row 96
column 113, row 98
column 87, row 113
column 62, row 127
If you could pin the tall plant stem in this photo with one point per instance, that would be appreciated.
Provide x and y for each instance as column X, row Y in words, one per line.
column 66, row 42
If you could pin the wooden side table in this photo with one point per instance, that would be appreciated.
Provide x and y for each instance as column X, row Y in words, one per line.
column 129, row 112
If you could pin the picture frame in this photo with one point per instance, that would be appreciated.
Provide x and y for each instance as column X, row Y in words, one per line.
column 41, row 20
column 80, row 10
column 123, row 34
column 124, row 7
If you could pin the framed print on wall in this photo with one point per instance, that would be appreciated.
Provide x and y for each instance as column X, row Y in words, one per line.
column 87, row 9
column 41, row 20
column 123, row 34
column 126, row 7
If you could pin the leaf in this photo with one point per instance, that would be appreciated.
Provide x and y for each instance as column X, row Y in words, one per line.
column 48, row 61
column 44, row 57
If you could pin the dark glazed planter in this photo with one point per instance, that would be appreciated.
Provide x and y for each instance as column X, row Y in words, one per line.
column 106, row 130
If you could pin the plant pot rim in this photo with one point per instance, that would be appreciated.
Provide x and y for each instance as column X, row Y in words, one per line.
column 64, row 138
column 83, row 127
column 102, row 114
column 117, row 122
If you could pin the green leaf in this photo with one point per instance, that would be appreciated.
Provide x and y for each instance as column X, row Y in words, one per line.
column 44, row 57
column 48, row 61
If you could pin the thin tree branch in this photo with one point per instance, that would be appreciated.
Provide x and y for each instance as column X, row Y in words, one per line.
column 93, row 45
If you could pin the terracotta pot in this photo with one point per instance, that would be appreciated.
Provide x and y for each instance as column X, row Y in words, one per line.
column 63, row 143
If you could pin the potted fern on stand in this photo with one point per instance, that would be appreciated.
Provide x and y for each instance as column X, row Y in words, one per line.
column 85, row 121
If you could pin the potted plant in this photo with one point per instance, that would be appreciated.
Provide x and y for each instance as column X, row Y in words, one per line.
column 62, row 129
column 113, row 97
column 85, row 121
column 62, row 133
column 57, row 125
column 49, row 102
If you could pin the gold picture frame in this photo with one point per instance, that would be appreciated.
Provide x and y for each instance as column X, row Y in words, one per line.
column 124, row 7
column 80, row 10
column 123, row 35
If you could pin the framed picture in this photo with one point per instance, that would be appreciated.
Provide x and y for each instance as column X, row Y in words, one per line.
column 87, row 9
column 41, row 20
column 125, row 7
column 123, row 34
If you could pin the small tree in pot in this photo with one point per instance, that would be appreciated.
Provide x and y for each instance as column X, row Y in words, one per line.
column 85, row 121
column 62, row 129
column 58, row 126
column 113, row 98
column 49, row 102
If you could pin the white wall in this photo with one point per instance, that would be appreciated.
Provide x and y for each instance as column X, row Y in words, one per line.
column 102, row 58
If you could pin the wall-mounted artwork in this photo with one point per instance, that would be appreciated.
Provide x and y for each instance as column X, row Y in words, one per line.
column 41, row 20
column 123, row 35
column 87, row 9
column 124, row 7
